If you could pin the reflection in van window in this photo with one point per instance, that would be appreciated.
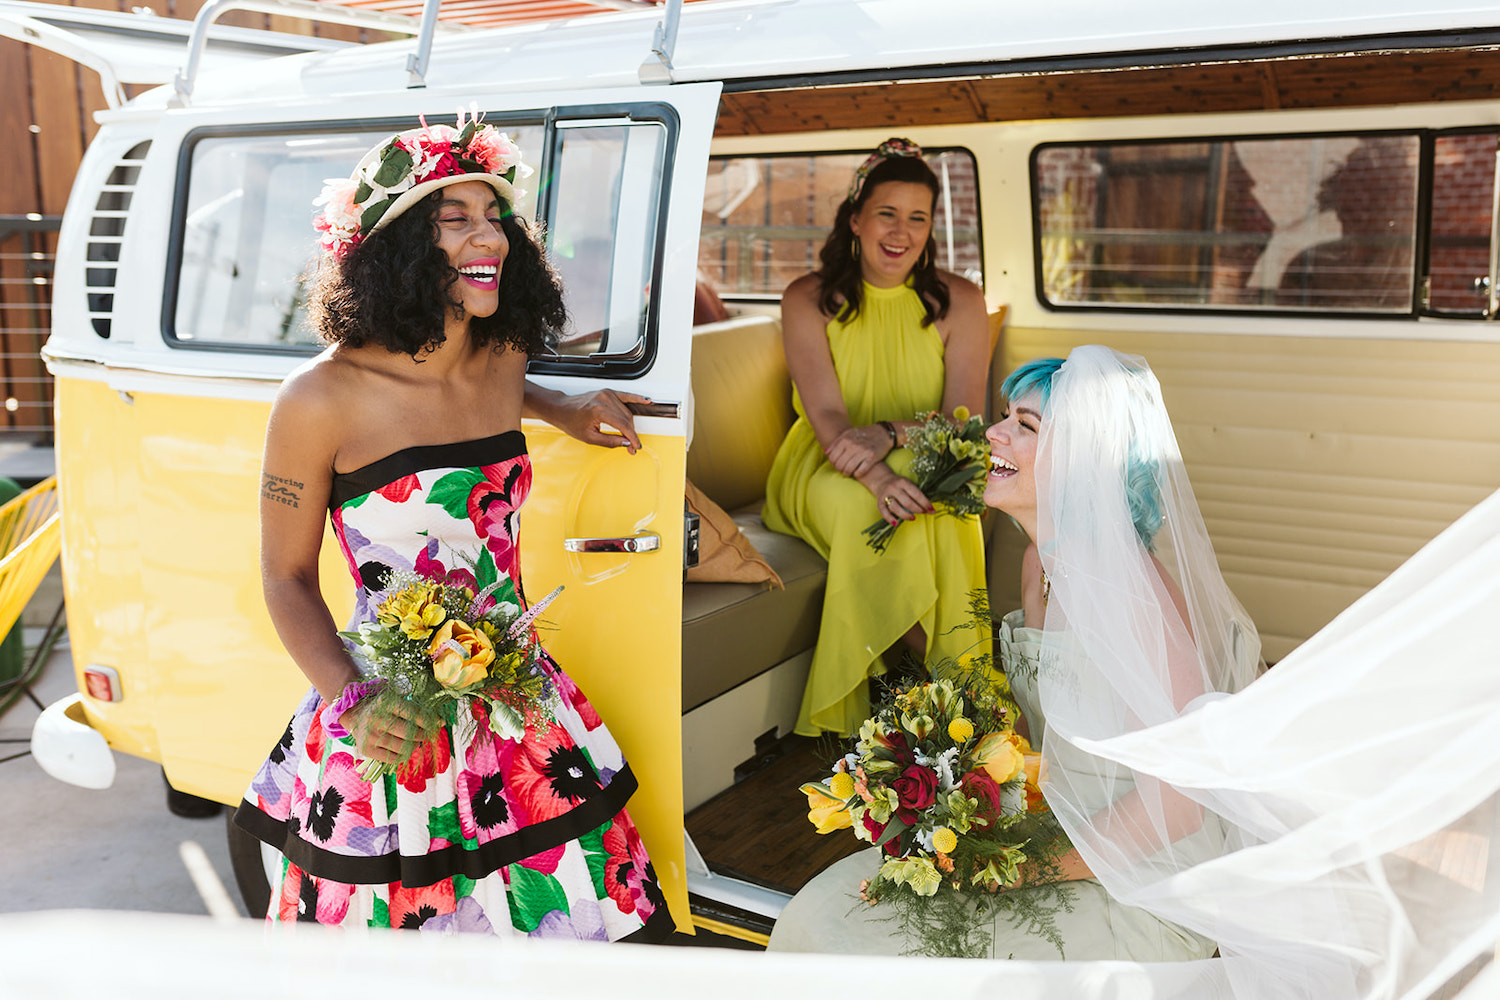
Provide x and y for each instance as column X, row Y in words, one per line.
column 248, row 240
column 765, row 218
column 602, row 233
column 1308, row 223
column 1463, row 204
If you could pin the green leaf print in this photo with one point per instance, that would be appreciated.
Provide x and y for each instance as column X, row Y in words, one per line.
column 595, row 854
column 463, row 886
column 381, row 917
column 486, row 574
column 389, row 781
column 533, row 895
column 442, row 821
column 452, row 491
column 351, row 504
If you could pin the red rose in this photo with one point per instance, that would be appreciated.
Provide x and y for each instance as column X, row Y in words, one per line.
column 875, row 830
column 895, row 741
column 916, row 788
column 978, row 785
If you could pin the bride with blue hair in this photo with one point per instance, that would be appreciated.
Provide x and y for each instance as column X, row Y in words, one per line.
column 1329, row 826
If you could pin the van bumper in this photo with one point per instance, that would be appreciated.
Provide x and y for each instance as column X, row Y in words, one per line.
column 69, row 749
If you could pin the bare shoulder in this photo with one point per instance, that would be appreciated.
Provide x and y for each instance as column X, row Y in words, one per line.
column 318, row 398
column 963, row 293
column 802, row 293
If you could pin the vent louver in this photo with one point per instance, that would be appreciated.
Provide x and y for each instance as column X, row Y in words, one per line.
column 107, row 234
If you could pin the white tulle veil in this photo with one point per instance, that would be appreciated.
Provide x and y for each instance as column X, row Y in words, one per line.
column 1331, row 823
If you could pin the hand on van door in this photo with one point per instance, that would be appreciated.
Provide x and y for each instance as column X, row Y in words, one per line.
column 600, row 417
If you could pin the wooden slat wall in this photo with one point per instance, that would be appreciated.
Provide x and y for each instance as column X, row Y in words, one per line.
column 1313, row 82
column 1320, row 464
column 46, row 122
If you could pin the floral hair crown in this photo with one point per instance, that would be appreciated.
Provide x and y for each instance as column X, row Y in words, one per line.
column 408, row 167
column 885, row 151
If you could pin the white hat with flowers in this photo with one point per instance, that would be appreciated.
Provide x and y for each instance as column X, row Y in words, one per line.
column 409, row 166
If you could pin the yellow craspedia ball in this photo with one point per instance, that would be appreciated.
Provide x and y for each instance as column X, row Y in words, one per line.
column 961, row 414
column 944, row 840
column 960, row 729
column 842, row 785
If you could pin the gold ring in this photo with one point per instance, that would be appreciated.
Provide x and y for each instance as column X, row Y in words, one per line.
column 890, row 501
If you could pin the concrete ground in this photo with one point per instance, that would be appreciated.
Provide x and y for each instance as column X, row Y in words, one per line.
column 63, row 847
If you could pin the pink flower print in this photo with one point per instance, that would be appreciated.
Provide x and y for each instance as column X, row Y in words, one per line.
column 569, row 692
column 619, row 869
column 341, row 806
column 402, row 488
column 486, row 809
column 429, row 567
column 308, row 898
column 545, row 862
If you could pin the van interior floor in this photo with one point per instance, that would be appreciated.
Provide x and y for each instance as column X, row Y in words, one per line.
column 757, row 829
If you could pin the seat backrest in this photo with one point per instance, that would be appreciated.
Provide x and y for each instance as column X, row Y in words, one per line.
column 742, row 408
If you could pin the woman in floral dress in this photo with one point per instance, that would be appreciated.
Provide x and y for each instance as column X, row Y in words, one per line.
column 432, row 294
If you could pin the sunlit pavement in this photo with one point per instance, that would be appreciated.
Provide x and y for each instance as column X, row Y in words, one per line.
column 63, row 847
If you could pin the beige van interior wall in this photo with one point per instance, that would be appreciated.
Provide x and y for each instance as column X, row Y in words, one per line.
column 1323, row 452
column 1320, row 464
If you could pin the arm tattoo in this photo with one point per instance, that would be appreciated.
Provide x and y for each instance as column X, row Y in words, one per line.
column 283, row 491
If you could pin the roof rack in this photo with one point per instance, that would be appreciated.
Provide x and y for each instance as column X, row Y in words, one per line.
column 331, row 13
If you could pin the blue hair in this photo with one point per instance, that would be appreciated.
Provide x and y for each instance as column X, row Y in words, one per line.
column 1142, row 469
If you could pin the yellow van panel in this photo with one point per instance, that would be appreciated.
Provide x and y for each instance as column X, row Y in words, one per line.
column 1320, row 464
column 618, row 624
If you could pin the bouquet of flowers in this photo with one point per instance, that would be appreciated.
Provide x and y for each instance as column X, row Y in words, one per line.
column 949, row 460
column 941, row 783
column 435, row 647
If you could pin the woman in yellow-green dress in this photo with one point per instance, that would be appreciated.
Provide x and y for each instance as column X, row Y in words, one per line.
column 875, row 336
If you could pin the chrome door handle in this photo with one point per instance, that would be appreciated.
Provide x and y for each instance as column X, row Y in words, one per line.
column 641, row 541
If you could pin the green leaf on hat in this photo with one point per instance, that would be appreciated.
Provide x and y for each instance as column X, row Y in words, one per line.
column 372, row 214
column 362, row 192
column 467, row 134
column 395, row 163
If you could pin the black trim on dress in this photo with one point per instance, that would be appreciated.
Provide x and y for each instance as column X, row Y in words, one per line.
column 420, row 458
column 415, row 871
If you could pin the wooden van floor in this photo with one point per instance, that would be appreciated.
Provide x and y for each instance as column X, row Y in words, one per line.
column 757, row 830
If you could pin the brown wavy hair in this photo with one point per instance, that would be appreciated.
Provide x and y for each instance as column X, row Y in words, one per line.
column 391, row 289
column 841, row 282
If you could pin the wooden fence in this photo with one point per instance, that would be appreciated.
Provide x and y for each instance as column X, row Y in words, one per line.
column 46, row 122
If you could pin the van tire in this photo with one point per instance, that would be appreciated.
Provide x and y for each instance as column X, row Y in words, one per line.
column 248, row 861
column 186, row 805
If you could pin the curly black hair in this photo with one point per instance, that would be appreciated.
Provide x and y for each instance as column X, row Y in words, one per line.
column 840, row 277
column 391, row 289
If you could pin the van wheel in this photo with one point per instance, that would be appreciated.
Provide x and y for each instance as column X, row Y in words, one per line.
column 186, row 805
column 253, row 862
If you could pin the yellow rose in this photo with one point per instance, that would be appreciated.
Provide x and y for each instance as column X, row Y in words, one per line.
column 842, row 786
column 998, row 754
column 825, row 812
column 1036, row 779
column 460, row 655
column 960, row 730
column 944, row 840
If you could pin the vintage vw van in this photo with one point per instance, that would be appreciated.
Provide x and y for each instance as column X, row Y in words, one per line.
column 1294, row 218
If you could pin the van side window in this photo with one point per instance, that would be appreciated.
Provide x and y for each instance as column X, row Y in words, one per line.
column 1307, row 223
column 245, row 240
column 603, row 234
column 765, row 217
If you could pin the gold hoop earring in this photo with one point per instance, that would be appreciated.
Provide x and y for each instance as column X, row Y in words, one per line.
column 854, row 248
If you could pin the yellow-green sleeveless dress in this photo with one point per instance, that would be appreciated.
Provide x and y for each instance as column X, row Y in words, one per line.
column 890, row 367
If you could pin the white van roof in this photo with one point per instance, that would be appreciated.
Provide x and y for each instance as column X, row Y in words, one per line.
column 766, row 40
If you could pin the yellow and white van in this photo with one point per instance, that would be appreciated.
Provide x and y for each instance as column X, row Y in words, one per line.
column 1291, row 213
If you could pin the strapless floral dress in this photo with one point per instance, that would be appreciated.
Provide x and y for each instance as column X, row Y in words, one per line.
column 476, row 832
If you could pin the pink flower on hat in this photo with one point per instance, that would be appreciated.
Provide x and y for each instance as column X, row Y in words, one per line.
column 494, row 151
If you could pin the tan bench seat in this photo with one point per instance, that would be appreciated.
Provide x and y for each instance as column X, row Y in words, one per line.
column 742, row 409
column 732, row 632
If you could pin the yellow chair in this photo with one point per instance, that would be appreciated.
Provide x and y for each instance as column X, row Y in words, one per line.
column 30, row 537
